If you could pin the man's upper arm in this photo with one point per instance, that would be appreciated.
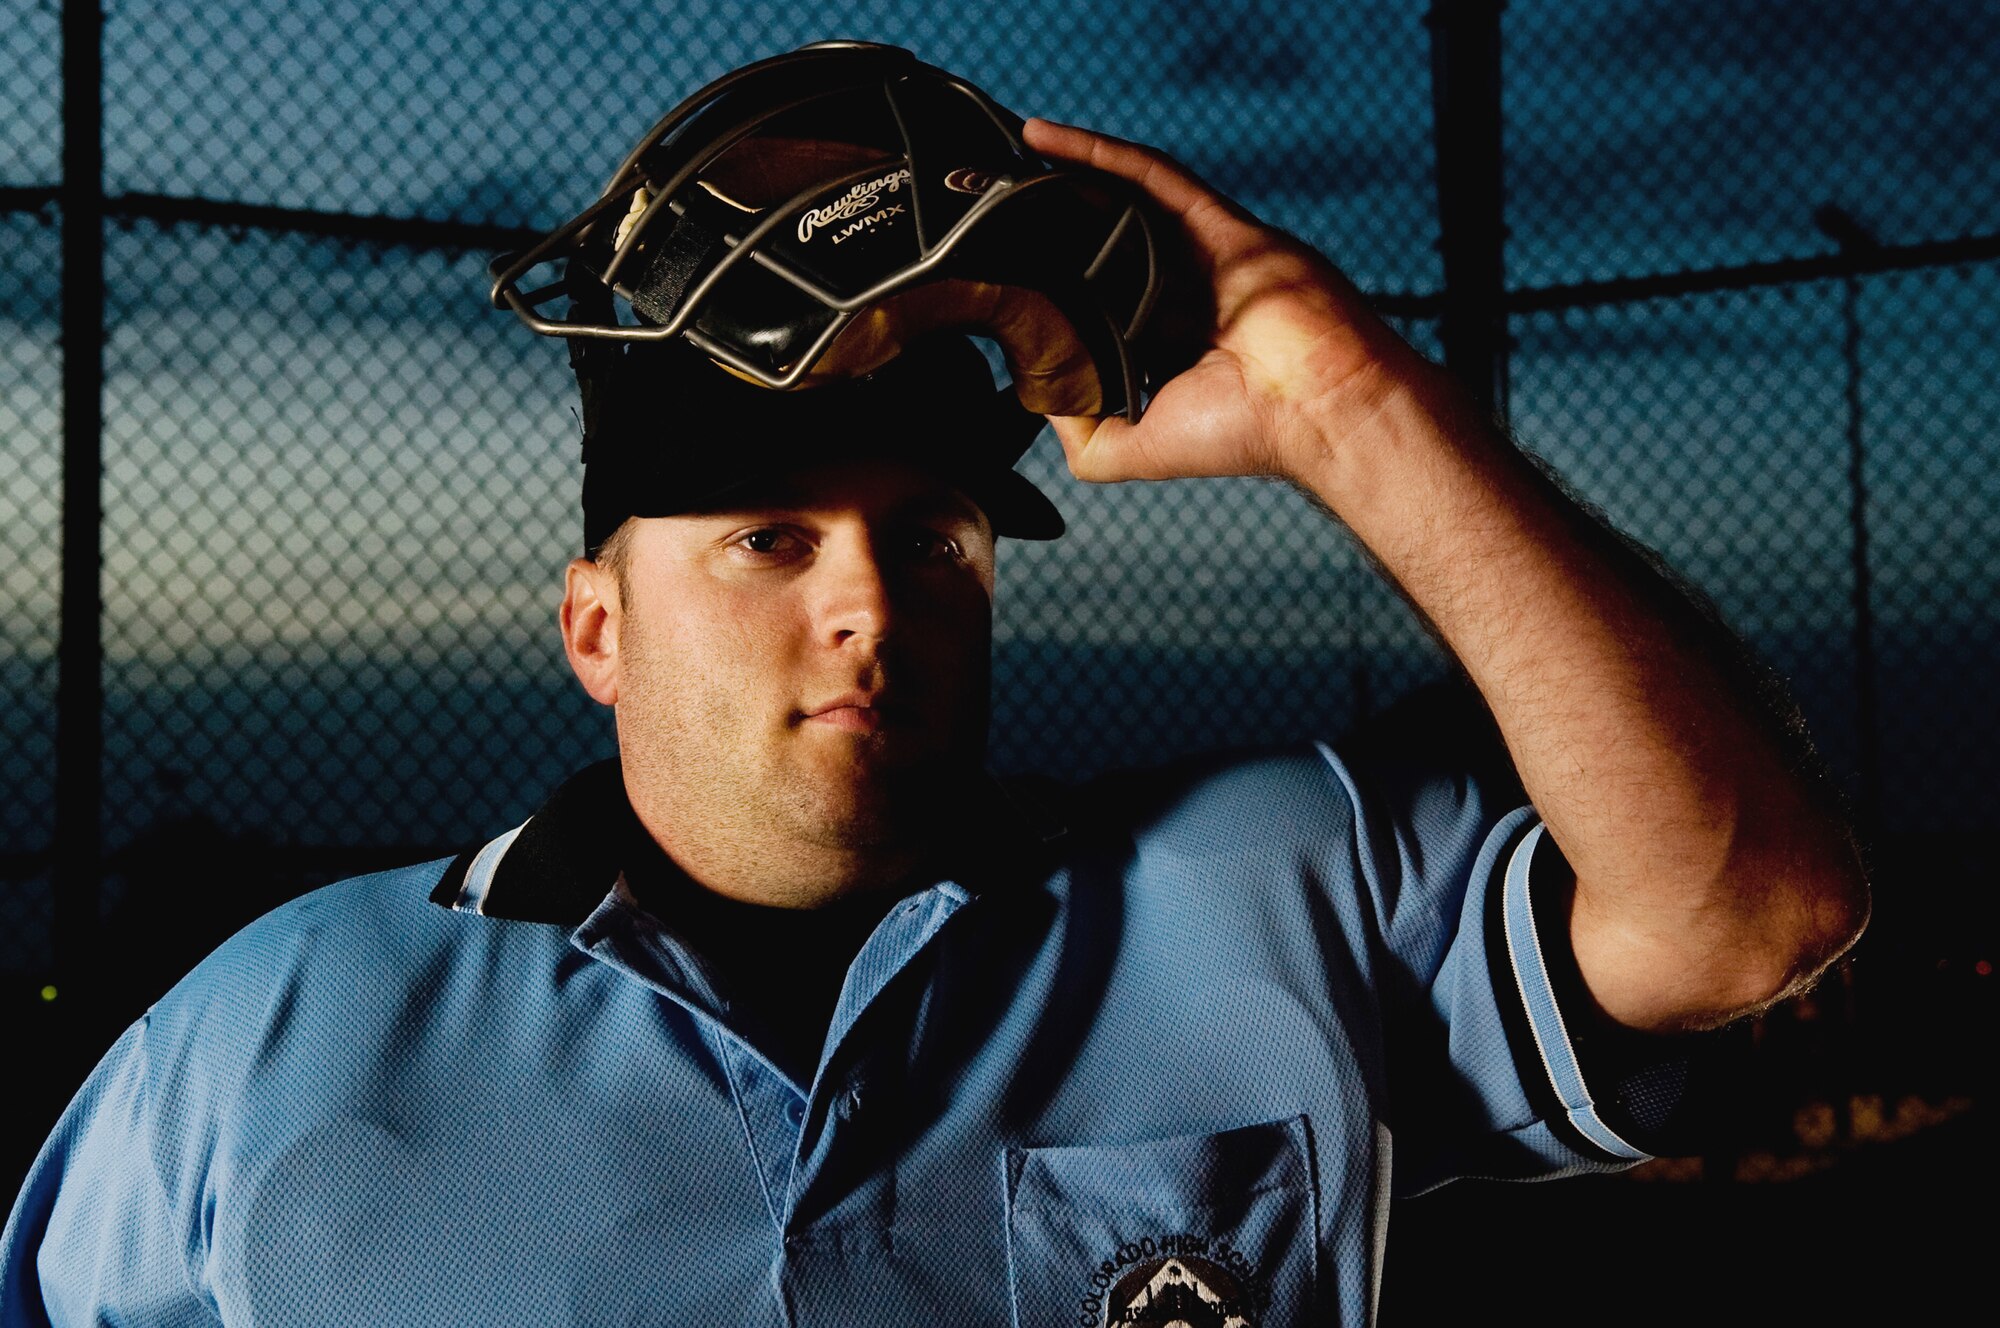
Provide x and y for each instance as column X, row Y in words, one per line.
column 1655, row 1092
column 93, row 1237
column 1496, row 1066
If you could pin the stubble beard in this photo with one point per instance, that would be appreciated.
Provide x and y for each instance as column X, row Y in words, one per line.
column 698, row 744
column 881, row 800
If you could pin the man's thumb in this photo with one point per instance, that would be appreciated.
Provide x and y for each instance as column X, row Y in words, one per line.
column 1093, row 446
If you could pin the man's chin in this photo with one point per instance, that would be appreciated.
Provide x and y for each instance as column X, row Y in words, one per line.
column 864, row 826
column 887, row 808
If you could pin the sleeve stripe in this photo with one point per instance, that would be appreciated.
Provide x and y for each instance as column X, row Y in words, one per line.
column 479, row 876
column 1538, row 995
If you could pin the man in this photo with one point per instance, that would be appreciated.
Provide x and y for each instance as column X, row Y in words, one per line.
column 791, row 1017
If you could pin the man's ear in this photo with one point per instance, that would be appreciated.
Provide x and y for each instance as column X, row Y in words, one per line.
column 590, row 618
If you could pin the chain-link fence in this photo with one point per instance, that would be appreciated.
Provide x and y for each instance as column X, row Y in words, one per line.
column 1750, row 253
column 339, row 489
column 30, row 477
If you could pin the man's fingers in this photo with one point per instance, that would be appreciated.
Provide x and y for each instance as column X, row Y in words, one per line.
column 1172, row 185
column 1104, row 451
column 1088, row 443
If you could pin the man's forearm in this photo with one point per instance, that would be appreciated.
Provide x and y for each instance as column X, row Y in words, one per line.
column 1710, row 870
column 1710, row 875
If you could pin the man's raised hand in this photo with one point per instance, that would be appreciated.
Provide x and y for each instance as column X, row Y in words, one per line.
column 1284, row 356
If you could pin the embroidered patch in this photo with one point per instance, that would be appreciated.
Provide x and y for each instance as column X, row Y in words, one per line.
column 1193, row 1281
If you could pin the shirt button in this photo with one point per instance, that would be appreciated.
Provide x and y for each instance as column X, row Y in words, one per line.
column 795, row 1112
column 850, row 1102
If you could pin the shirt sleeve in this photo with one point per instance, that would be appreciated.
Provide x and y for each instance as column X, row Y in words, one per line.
column 92, row 1238
column 1491, row 1071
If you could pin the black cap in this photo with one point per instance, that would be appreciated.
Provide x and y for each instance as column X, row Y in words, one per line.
column 670, row 431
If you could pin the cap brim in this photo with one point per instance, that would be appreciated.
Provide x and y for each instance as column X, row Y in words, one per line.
column 1012, row 503
column 1017, row 508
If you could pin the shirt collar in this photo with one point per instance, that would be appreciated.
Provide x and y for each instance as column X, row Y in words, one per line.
column 561, row 863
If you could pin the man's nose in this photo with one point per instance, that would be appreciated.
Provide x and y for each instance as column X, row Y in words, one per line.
column 855, row 589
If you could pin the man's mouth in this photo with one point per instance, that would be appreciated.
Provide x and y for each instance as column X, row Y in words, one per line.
column 857, row 712
column 856, row 719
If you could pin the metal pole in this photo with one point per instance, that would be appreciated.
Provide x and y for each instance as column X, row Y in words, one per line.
column 1465, row 91
column 1863, row 579
column 1854, row 239
column 79, row 651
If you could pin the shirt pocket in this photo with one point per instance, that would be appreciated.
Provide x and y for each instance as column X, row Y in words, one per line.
column 1207, row 1229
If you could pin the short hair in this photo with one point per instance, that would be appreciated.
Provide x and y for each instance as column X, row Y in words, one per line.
column 614, row 555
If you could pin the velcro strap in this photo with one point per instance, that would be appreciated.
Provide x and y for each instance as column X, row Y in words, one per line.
column 691, row 247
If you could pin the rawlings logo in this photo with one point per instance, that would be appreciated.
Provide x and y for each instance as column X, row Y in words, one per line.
column 859, row 198
column 965, row 180
column 861, row 226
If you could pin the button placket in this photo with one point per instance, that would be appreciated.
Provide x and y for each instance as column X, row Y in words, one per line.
column 761, row 1097
column 841, row 1085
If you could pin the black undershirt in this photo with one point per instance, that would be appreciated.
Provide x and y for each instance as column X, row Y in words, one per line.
column 780, row 968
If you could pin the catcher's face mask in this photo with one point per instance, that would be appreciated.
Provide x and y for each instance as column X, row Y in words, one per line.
column 801, row 219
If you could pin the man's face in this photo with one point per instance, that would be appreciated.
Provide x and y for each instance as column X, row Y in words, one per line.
column 743, row 627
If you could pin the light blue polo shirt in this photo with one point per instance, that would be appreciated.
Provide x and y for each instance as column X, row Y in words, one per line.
column 1160, row 1049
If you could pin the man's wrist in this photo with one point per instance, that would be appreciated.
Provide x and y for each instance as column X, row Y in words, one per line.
column 1398, row 436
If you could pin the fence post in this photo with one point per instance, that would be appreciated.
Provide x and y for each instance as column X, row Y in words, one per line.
column 1857, row 243
column 1465, row 92
column 79, row 650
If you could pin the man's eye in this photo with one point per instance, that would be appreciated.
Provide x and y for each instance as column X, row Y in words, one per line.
column 930, row 544
column 764, row 541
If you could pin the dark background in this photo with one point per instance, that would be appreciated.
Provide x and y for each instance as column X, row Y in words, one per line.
column 277, row 569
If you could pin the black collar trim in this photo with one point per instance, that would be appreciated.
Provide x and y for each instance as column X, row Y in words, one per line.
column 558, row 865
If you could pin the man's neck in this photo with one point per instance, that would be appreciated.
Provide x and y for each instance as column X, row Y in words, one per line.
column 804, row 876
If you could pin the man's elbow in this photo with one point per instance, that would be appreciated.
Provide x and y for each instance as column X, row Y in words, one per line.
column 1814, row 907
column 1759, row 933
column 1834, row 904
